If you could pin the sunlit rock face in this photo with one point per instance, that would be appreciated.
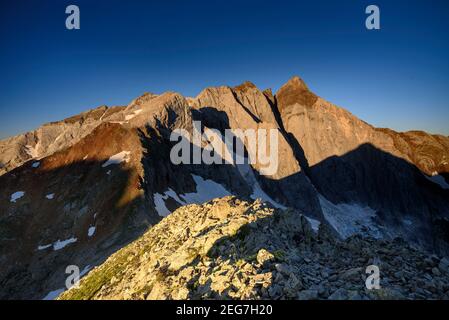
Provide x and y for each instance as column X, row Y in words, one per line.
column 228, row 248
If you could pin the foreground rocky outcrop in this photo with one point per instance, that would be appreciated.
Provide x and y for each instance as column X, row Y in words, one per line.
column 233, row 249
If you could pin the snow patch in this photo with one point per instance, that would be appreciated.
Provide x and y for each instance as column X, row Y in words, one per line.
column 17, row 195
column 44, row 247
column 315, row 224
column 159, row 201
column 91, row 231
column 205, row 190
column 58, row 245
column 117, row 158
column 50, row 196
column 349, row 218
column 132, row 115
column 439, row 180
column 36, row 164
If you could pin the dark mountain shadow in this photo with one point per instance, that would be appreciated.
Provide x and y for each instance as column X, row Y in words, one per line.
column 252, row 115
column 395, row 189
column 161, row 173
column 445, row 175
column 298, row 151
column 84, row 195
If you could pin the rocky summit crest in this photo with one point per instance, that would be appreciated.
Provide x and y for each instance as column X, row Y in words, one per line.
column 232, row 249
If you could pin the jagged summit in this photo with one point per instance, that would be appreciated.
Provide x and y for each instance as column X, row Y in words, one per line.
column 245, row 85
column 295, row 82
column 295, row 91
column 105, row 176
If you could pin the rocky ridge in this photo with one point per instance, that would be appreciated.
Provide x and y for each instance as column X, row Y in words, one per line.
column 107, row 170
column 232, row 249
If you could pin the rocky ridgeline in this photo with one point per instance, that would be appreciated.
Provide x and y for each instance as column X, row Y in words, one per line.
column 232, row 249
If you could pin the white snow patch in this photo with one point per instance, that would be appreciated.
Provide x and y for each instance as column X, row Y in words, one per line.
column 44, row 247
column 349, row 218
column 50, row 196
column 108, row 172
column 159, row 201
column 117, row 158
column 439, row 180
column 205, row 190
column 17, row 195
column 58, row 245
column 315, row 224
column 36, row 164
column 132, row 115
column 159, row 204
column 52, row 295
column 91, row 231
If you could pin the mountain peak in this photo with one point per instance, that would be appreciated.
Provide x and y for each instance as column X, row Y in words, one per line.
column 295, row 91
column 245, row 85
column 297, row 83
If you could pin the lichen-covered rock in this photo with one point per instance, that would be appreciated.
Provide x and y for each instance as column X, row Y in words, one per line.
column 253, row 251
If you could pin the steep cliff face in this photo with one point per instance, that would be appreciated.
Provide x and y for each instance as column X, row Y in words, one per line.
column 74, row 191
column 391, row 177
column 325, row 130
column 246, row 107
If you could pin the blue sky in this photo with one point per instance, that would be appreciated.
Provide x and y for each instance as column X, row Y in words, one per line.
column 396, row 77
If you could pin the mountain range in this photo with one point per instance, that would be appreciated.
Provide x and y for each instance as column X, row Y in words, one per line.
column 76, row 191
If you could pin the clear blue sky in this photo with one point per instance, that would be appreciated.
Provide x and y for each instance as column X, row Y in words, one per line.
column 397, row 77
